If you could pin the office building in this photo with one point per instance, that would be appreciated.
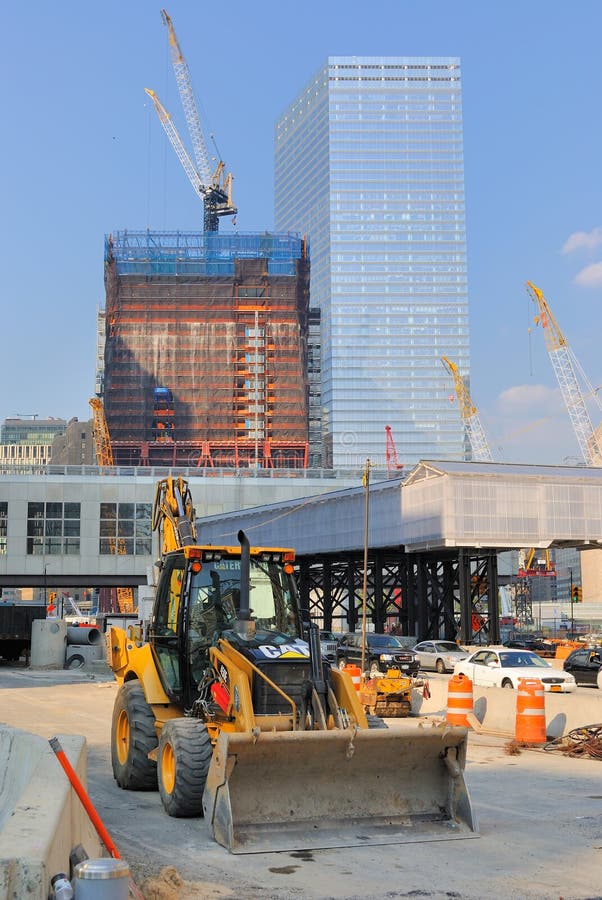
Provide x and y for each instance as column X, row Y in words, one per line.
column 369, row 164
column 205, row 352
column 27, row 442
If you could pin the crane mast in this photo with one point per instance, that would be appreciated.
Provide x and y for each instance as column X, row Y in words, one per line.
column 565, row 367
column 104, row 457
column 470, row 417
column 391, row 452
column 100, row 430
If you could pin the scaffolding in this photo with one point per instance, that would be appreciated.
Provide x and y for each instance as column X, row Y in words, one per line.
column 220, row 322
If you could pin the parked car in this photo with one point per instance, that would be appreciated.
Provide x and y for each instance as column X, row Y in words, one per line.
column 585, row 665
column 329, row 645
column 383, row 651
column 503, row 668
column 538, row 645
column 439, row 656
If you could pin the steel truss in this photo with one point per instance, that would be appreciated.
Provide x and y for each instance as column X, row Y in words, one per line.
column 451, row 594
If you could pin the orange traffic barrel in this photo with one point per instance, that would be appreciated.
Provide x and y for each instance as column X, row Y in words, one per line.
column 355, row 673
column 459, row 700
column 530, row 712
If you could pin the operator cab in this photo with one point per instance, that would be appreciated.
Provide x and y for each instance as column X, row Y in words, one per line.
column 198, row 601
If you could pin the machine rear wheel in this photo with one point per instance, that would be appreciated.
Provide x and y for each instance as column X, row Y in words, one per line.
column 185, row 753
column 133, row 736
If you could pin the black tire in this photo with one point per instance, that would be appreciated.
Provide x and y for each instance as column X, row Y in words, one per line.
column 440, row 666
column 185, row 753
column 133, row 736
column 342, row 662
column 376, row 722
column 506, row 683
column 76, row 661
column 374, row 668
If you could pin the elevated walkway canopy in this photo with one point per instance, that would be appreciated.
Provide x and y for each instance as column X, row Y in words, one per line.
column 440, row 505
column 433, row 541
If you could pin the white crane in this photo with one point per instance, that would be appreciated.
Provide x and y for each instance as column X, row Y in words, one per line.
column 567, row 367
column 215, row 189
column 470, row 417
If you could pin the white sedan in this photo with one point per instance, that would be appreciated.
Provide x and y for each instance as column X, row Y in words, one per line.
column 503, row 668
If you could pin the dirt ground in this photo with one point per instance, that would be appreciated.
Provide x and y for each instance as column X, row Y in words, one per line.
column 540, row 821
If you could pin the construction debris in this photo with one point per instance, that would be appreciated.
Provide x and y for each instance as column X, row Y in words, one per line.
column 585, row 741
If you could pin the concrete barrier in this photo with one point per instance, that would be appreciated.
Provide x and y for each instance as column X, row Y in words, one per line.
column 41, row 817
column 495, row 708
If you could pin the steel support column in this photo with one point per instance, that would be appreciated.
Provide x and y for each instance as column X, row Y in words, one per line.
column 464, row 596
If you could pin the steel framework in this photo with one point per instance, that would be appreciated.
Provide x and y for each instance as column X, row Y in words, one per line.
column 450, row 595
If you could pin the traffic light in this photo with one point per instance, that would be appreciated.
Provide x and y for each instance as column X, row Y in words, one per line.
column 577, row 596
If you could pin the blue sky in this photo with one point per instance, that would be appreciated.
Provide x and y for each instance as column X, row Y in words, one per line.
column 83, row 154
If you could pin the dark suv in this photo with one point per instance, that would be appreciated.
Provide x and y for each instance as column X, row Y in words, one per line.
column 383, row 651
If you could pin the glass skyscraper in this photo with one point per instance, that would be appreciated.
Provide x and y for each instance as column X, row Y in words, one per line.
column 369, row 164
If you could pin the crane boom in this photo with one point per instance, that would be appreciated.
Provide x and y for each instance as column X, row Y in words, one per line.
column 565, row 367
column 191, row 113
column 468, row 411
column 176, row 142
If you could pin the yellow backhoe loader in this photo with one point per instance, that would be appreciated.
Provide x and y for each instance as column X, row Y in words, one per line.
column 230, row 711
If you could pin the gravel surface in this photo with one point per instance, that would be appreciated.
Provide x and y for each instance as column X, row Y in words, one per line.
column 540, row 818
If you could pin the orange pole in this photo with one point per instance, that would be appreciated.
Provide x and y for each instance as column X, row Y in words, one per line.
column 89, row 807
column 81, row 793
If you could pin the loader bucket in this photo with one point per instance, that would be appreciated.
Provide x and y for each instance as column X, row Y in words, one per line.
column 300, row 790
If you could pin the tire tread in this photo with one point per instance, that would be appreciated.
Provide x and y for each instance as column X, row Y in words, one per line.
column 139, row 772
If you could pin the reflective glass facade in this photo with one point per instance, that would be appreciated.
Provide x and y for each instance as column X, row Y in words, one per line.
column 369, row 164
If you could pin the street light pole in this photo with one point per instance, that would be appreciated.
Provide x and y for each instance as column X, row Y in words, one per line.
column 366, row 481
column 572, row 608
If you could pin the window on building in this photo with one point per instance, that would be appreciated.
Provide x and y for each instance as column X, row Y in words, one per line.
column 125, row 528
column 53, row 529
column 3, row 525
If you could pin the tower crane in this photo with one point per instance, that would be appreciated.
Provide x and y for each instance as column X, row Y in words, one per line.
column 566, row 367
column 391, row 452
column 216, row 188
column 470, row 417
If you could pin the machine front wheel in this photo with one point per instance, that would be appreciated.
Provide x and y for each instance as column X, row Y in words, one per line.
column 185, row 753
column 133, row 737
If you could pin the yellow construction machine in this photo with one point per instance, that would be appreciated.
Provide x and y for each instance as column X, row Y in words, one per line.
column 388, row 695
column 230, row 711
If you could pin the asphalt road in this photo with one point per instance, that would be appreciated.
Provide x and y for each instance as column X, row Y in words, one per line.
column 540, row 818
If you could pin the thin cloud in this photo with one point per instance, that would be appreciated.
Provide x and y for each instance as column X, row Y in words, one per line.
column 583, row 240
column 591, row 276
column 532, row 398
column 528, row 423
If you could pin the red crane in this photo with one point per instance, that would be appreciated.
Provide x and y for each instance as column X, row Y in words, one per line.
column 391, row 453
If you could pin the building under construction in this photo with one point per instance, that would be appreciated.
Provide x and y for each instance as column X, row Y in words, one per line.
column 206, row 349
